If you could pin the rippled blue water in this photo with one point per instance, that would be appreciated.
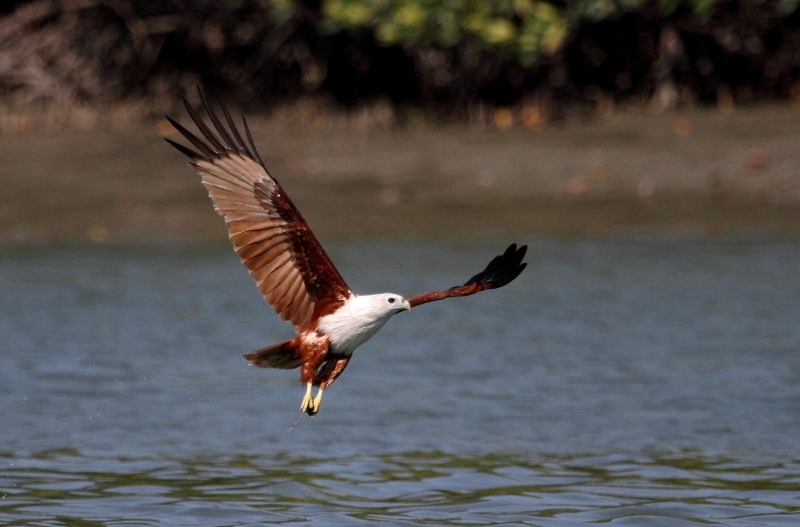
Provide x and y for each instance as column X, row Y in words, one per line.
column 630, row 382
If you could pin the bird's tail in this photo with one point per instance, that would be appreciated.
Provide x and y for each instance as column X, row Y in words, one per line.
column 282, row 356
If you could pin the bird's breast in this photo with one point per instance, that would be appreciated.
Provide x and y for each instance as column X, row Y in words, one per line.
column 349, row 328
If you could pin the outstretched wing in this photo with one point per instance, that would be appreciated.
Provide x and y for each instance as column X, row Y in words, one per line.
column 502, row 270
column 269, row 234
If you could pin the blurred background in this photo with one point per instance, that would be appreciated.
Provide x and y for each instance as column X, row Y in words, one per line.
column 643, row 370
column 581, row 117
column 451, row 60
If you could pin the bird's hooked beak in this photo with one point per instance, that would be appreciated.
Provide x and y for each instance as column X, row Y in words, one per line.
column 407, row 305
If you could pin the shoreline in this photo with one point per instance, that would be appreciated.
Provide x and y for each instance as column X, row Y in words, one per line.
column 691, row 172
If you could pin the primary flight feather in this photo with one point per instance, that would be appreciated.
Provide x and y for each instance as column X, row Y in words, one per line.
column 289, row 266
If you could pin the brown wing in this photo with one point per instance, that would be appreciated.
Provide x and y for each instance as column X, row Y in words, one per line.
column 502, row 270
column 268, row 233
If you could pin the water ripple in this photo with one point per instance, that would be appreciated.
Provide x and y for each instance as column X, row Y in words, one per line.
column 649, row 382
column 414, row 488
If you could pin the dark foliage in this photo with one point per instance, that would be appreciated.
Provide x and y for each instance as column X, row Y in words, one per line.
column 103, row 51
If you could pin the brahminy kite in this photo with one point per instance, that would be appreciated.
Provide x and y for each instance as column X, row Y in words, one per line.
column 290, row 267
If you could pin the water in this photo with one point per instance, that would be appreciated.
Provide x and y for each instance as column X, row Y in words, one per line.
column 631, row 382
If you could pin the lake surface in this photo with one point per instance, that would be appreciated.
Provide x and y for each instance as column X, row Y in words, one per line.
column 630, row 382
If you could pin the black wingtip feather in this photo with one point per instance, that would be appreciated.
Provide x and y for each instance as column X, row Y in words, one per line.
column 198, row 144
column 223, row 133
column 239, row 141
column 232, row 139
column 213, row 140
column 503, row 269
column 250, row 139
column 194, row 156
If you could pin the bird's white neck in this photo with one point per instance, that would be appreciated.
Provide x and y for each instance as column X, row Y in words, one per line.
column 355, row 322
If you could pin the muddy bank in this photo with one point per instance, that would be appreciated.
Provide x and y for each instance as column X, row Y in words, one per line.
column 693, row 172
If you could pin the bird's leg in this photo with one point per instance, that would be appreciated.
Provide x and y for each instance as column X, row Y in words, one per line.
column 312, row 411
column 307, row 403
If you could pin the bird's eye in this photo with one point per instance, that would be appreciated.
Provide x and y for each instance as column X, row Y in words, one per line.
column 391, row 300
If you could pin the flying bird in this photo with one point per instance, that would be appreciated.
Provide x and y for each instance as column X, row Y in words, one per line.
column 289, row 266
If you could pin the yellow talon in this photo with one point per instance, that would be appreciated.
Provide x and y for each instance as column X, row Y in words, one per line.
column 311, row 405
column 315, row 404
column 307, row 404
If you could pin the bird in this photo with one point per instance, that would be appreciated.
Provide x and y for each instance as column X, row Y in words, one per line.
column 290, row 267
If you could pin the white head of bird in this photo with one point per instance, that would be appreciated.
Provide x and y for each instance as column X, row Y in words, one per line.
column 359, row 318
